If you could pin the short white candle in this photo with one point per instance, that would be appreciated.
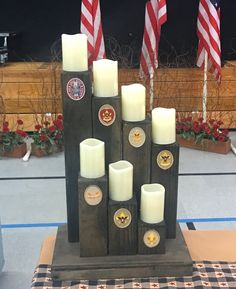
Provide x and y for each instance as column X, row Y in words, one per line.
column 74, row 52
column 92, row 160
column 152, row 203
column 105, row 78
column 121, row 181
column 133, row 100
column 163, row 125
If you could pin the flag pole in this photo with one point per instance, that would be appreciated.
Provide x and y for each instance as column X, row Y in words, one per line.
column 151, row 92
column 204, row 98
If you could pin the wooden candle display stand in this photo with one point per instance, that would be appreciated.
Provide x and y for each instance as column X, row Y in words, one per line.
column 151, row 238
column 136, row 150
column 69, row 265
column 93, row 216
column 108, row 231
column 164, row 170
column 77, row 112
column 107, row 125
column 122, row 220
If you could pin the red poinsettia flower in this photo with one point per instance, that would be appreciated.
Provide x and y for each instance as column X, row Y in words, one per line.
column 19, row 121
column 43, row 137
column 186, row 128
column 58, row 136
column 5, row 124
column 52, row 128
column 199, row 129
column 216, row 134
column 207, row 130
column 5, row 129
column 38, row 127
column 60, row 117
column 196, row 129
column 221, row 138
column 21, row 133
column 11, row 138
column 215, row 126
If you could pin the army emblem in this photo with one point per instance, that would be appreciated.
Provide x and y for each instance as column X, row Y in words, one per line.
column 93, row 195
column 122, row 218
column 137, row 137
column 165, row 159
column 151, row 238
column 75, row 89
column 106, row 114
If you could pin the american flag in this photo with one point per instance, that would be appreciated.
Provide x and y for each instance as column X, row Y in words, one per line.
column 208, row 31
column 91, row 25
column 155, row 16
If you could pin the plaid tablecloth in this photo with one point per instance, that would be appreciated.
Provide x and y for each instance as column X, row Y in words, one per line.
column 210, row 275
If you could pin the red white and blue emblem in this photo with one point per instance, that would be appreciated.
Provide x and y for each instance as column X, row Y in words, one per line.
column 75, row 89
column 107, row 115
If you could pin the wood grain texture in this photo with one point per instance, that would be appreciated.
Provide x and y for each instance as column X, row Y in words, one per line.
column 139, row 157
column 77, row 127
column 93, row 219
column 169, row 179
column 122, row 241
column 143, row 228
column 68, row 265
column 110, row 134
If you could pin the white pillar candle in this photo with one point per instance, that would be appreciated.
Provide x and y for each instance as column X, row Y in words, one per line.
column 163, row 125
column 133, row 100
column 74, row 52
column 105, row 78
column 92, row 160
column 121, row 181
column 152, row 203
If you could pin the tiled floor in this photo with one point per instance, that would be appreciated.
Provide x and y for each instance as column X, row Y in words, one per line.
column 32, row 201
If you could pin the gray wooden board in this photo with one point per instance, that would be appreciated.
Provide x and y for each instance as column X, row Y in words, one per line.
column 139, row 157
column 110, row 134
column 68, row 265
column 77, row 121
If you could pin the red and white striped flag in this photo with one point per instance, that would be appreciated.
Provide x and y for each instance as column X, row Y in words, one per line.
column 208, row 31
column 91, row 25
column 155, row 16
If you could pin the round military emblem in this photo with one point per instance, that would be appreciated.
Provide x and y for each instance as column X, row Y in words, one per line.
column 151, row 238
column 75, row 89
column 107, row 114
column 122, row 218
column 93, row 195
column 165, row 159
column 137, row 137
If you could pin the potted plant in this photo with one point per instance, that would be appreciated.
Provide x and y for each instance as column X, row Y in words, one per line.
column 202, row 135
column 12, row 141
column 48, row 137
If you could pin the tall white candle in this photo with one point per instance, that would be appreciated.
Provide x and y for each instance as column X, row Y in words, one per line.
column 74, row 52
column 133, row 99
column 92, row 160
column 152, row 203
column 105, row 78
column 121, row 181
column 163, row 125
